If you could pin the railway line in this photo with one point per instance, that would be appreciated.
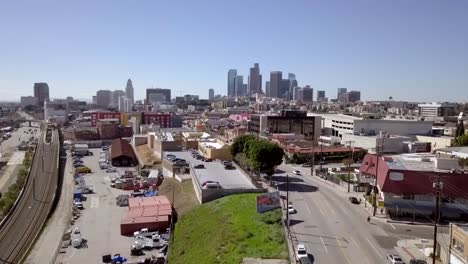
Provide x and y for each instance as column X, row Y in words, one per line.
column 20, row 230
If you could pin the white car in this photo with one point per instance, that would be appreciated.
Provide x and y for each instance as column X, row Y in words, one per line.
column 301, row 252
column 291, row 209
column 296, row 172
column 395, row 259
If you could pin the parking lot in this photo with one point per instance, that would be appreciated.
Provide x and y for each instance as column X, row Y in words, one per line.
column 215, row 171
column 99, row 222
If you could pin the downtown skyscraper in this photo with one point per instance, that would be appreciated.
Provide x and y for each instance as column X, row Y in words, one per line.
column 255, row 80
column 275, row 84
column 231, row 82
column 129, row 91
column 41, row 92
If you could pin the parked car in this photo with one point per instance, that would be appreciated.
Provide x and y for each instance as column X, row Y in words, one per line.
column 78, row 165
column 296, row 172
column 291, row 209
column 229, row 167
column 78, row 205
column 301, row 252
column 395, row 259
column 103, row 166
column 199, row 166
column 111, row 170
column 353, row 200
column 207, row 182
column 170, row 156
column 208, row 160
column 83, row 169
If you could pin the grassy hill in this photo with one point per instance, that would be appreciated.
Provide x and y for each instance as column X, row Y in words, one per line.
column 227, row 230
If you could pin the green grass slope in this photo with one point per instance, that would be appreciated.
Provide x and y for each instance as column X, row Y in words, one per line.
column 226, row 231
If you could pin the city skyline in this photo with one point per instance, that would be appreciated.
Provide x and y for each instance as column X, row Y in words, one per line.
column 418, row 57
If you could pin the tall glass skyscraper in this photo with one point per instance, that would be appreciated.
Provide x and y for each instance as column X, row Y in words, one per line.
column 230, row 82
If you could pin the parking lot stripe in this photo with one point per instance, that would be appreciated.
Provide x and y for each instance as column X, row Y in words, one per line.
column 94, row 202
column 323, row 243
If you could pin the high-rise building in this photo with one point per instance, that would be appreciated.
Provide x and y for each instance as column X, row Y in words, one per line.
column 320, row 96
column 292, row 82
column 255, row 80
column 103, row 98
column 341, row 91
column 349, row 97
column 210, row 94
column 275, row 83
column 115, row 97
column 295, row 93
column 354, row 96
column 239, row 85
column 129, row 91
column 28, row 100
column 160, row 95
column 245, row 90
column 307, row 94
column 230, row 82
column 284, row 88
column 267, row 88
column 125, row 104
column 94, row 99
column 41, row 92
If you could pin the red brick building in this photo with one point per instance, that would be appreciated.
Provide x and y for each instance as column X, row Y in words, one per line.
column 96, row 116
column 162, row 119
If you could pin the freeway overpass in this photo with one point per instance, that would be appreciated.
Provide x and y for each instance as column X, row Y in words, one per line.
column 20, row 229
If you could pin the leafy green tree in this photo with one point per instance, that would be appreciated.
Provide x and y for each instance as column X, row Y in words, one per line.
column 264, row 156
column 239, row 144
column 461, row 141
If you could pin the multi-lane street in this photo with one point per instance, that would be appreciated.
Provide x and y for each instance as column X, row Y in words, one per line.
column 332, row 228
column 18, row 232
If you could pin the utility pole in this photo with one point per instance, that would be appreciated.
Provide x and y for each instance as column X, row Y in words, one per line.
column 438, row 186
column 349, row 163
column 287, row 201
column 374, row 201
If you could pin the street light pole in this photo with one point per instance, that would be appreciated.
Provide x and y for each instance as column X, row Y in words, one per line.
column 287, row 201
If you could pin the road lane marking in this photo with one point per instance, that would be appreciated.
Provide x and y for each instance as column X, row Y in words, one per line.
column 372, row 245
column 392, row 226
column 363, row 252
column 323, row 243
column 94, row 202
column 342, row 251
column 308, row 209
column 320, row 209
column 328, row 204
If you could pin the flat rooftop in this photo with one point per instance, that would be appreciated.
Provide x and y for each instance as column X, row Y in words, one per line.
column 214, row 171
column 412, row 162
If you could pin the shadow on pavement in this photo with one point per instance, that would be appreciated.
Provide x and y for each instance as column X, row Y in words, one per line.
column 297, row 187
column 282, row 178
column 293, row 222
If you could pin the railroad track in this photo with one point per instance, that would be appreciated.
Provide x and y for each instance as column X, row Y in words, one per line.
column 20, row 230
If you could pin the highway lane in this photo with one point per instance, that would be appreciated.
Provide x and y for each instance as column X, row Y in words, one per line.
column 19, row 231
column 333, row 229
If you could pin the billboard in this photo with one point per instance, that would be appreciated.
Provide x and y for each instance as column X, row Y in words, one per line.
column 268, row 201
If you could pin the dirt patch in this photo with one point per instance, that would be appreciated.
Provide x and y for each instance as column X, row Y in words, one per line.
column 146, row 155
column 184, row 195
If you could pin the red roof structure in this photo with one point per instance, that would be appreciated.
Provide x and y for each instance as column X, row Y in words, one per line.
column 153, row 213
column 414, row 177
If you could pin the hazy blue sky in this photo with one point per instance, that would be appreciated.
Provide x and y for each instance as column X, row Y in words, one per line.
column 408, row 49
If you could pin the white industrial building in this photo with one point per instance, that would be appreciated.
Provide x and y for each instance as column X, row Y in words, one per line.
column 337, row 124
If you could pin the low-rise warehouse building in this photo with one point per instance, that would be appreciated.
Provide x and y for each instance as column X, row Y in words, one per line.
column 122, row 154
column 153, row 213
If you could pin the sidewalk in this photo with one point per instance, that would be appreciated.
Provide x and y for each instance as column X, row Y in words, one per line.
column 410, row 249
column 48, row 245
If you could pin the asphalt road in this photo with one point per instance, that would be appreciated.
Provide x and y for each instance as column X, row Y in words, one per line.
column 334, row 230
column 18, row 136
column 19, row 231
